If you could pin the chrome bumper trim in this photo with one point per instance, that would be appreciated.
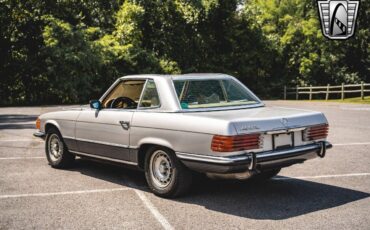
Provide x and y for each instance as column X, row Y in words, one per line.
column 260, row 157
column 39, row 134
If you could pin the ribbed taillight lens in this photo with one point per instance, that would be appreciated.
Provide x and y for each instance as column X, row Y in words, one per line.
column 316, row 132
column 236, row 143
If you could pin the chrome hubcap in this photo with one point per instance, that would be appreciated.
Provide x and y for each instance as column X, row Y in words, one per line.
column 161, row 168
column 55, row 147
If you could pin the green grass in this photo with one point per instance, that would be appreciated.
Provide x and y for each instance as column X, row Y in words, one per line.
column 346, row 100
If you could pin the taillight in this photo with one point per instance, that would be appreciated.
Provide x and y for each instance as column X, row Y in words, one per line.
column 38, row 124
column 236, row 143
column 316, row 132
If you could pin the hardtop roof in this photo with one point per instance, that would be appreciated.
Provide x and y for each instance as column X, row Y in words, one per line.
column 180, row 76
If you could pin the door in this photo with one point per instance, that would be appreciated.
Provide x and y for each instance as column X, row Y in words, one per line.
column 105, row 133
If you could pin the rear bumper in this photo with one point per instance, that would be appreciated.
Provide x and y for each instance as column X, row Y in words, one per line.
column 252, row 161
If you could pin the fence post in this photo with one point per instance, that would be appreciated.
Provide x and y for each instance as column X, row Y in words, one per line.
column 327, row 92
column 296, row 92
column 362, row 91
column 342, row 95
column 310, row 92
column 284, row 92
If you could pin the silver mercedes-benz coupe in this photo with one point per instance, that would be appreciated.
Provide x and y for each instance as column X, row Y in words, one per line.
column 171, row 125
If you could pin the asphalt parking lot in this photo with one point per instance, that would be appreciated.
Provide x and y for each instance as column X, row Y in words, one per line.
column 329, row 193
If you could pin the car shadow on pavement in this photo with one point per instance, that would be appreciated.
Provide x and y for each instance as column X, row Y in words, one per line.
column 114, row 173
column 269, row 200
column 17, row 121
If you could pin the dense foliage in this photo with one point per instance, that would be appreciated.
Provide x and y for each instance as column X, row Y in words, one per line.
column 69, row 51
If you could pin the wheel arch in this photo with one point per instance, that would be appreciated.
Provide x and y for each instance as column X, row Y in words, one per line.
column 51, row 124
column 145, row 144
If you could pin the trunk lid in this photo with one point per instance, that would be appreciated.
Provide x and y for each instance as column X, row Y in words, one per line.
column 266, row 118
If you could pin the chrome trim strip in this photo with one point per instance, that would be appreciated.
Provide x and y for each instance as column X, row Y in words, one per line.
column 246, row 157
column 212, row 159
column 99, row 142
column 142, row 93
column 104, row 158
column 222, row 108
column 305, row 148
column 285, row 130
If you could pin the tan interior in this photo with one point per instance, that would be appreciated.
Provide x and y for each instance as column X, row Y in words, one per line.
column 130, row 88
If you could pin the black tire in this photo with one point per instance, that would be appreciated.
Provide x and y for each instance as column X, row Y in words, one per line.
column 266, row 175
column 180, row 179
column 63, row 158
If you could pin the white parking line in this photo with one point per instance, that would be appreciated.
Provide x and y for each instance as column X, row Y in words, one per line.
column 21, row 140
column 62, row 193
column 358, row 143
column 160, row 218
column 20, row 158
column 322, row 176
column 355, row 108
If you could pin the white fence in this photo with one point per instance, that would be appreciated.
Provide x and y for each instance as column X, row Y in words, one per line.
column 343, row 90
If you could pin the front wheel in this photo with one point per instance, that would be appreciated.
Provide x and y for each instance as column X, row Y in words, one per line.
column 56, row 151
column 165, row 174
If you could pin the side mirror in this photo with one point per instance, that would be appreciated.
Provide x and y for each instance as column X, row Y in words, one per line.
column 95, row 104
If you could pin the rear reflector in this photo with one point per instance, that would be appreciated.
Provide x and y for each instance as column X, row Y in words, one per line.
column 235, row 143
column 316, row 132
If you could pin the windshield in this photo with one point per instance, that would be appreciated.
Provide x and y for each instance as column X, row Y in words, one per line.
column 211, row 93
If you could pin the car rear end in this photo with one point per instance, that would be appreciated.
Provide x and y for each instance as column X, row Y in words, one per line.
column 263, row 140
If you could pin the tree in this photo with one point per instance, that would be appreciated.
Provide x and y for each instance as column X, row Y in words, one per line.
column 69, row 51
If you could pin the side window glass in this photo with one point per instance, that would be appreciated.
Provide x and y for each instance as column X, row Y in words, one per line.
column 150, row 98
column 125, row 95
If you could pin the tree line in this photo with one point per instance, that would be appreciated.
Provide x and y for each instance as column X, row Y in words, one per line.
column 69, row 51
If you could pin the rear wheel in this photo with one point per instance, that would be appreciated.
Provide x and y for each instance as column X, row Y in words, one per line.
column 56, row 150
column 165, row 174
column 266, row 175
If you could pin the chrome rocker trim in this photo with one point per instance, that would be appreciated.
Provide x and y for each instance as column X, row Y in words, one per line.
column 252, row 160
column 103, row 158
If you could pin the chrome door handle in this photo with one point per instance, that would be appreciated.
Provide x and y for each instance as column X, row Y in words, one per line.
column 125, row 124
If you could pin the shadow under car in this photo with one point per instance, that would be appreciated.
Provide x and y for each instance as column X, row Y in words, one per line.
column 270, row 200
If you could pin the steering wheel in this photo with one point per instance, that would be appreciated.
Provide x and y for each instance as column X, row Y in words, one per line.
column 124, row 100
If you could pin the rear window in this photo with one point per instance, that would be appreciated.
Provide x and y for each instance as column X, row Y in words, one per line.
column 212, row 93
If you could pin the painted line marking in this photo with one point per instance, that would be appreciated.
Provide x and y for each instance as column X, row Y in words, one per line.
column 149, row 205
column 21, row 140
column 62, row 193
column 358, row 143
column 20, row 158
column 355, row 108
column 322, row 176
column 18, row 147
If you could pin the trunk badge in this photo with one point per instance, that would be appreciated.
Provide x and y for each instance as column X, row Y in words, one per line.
column 249, row 127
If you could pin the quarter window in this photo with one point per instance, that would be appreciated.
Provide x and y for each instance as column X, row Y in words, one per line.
column 150, row 98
